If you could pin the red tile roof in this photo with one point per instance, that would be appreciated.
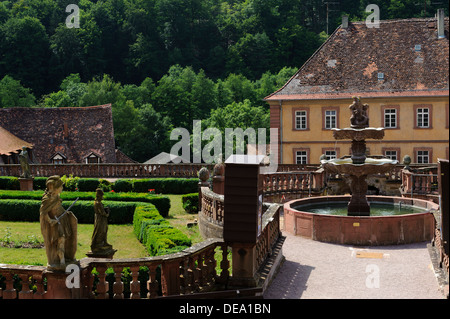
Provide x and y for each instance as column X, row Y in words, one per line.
column 350, row 61
column 74, row 132
column 9, row 143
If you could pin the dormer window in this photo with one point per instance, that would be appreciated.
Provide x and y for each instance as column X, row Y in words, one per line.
column 418, row 48
column 58, row 158
column 93, row 158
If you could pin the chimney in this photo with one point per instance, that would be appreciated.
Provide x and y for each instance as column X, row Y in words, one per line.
column 344, row 22
column 440, row 24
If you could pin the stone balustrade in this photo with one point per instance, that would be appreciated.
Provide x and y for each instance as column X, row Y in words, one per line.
column 419, row 181
column 189, row 271
column 107, row 170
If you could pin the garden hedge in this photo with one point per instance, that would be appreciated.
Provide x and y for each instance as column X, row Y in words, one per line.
column 158, row 236
column 28, row 210
column 190, row 203
column 150, row 227
column 161, row 202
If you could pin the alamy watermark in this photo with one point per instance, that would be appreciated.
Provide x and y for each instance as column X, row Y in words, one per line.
column 73, row 19
column 212, row 152
column 373, row 19
column 373, row 277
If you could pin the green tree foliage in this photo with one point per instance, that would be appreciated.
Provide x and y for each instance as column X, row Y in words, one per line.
column 12, row 93
column 164, row 63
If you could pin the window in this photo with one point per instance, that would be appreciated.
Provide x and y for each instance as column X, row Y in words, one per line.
column 301, row 157
column 301, row 120
column 58, row 158
column 423, row 116
column 330, row 119
column 423, row 157
column 329, row 155
column 391, row 155
column 93, row 159
column 390, row 118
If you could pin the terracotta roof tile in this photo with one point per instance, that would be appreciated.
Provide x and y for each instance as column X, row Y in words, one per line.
column 74, row 132
column 351, row 60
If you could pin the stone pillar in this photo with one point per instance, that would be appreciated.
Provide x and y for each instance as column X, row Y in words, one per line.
column 243, row 265
column 26, row 184
column 56, row 285
column 219, row 179
column 203, row 176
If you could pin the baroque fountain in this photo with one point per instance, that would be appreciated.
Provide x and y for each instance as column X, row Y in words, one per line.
column 358, row 166
column 396, row 225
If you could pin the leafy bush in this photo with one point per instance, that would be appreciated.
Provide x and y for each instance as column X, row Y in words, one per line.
column 9, row 182
column 158, row 236
column 166, row 185
column 190, row 203
column 88, row 184
column 39, row 183
column 161, row 202
column 70, row 183
column 28, row 210
column 123, row 185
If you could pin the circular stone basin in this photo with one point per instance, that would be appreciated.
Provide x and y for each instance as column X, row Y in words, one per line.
column 392, row 226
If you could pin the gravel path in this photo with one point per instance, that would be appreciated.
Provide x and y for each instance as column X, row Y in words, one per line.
column 315, row 270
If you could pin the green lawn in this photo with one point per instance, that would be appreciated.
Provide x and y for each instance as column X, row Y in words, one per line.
column 120, row 236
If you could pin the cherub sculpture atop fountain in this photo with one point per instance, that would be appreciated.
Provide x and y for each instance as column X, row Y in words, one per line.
column 359, row 118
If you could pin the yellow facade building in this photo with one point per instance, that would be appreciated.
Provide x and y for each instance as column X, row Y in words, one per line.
column 400, row 69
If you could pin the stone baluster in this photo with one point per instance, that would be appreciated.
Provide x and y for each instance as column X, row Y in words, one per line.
column 9, row 292
column 224, row 264
column 40, row 292
column 102, row 285
column 118, row 284
column 135, row 285
column 152, row 283
column 170, row 277
column 25, row 293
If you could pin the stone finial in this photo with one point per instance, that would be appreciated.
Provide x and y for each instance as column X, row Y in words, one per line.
column 407, row 161
column 203, row 174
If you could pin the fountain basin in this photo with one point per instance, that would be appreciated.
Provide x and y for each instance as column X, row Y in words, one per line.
column 370, row 166
column 361, row 230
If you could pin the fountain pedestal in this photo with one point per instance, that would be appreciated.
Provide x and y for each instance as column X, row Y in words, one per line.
column 358, row 205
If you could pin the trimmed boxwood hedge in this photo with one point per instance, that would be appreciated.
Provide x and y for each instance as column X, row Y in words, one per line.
column 190, row 203
column 158, row 236
column 166, row 185
column 28, row 210
column 161, row 202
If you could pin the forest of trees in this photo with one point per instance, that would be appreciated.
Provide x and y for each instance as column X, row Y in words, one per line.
column 164, row 63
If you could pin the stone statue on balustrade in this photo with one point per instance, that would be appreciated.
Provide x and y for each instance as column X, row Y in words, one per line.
column 58, row 227
column 99, row 243
column 25, row 163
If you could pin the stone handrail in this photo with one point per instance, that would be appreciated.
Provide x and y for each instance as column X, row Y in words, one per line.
column 419, row 181
column 107, row 170
column 189, row 271
column 212, row 206
column 269, row 234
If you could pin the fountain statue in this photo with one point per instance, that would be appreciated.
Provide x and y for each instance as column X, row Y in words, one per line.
column 358, row 166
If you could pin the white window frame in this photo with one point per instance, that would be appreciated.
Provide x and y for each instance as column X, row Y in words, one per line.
column 390, row 118
column 330, row 154
column 301, row 120
column 330, row 119
column 303, row 157
column 423, row 115
column 391, row 154
column 423, row 157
